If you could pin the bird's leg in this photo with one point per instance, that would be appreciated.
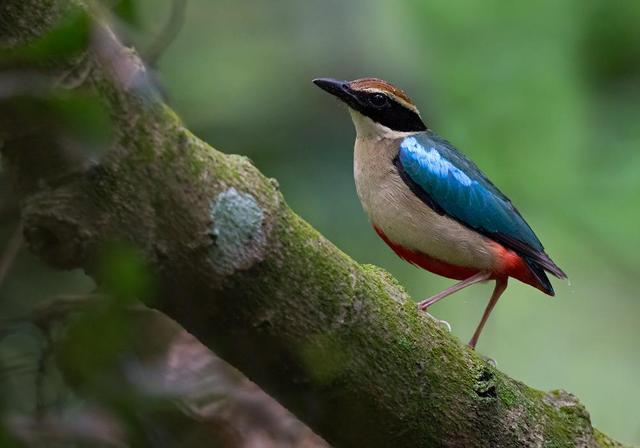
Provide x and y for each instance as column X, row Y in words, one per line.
column 501, row 285
column 477, row 278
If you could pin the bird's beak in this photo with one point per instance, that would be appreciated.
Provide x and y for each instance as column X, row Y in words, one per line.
column 339, row 89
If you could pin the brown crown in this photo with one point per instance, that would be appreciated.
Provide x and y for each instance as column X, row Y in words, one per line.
column 379, row 84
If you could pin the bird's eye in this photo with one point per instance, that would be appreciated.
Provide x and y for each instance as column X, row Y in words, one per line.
column 378, row 100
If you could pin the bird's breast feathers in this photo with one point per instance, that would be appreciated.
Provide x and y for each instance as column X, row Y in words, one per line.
column 405, row 219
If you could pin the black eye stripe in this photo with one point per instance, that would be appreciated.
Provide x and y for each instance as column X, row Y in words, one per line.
column 392, row 115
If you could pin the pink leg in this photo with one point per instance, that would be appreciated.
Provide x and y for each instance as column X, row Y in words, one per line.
column 501, row 285
column 477, row 278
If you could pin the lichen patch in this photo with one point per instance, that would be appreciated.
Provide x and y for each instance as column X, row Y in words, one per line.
column 237, row 232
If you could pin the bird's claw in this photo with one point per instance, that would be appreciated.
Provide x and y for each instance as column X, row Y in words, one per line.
column 443, row 323
column 491, row 361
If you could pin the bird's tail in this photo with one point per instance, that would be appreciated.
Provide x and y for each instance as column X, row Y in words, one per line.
column 538, row 265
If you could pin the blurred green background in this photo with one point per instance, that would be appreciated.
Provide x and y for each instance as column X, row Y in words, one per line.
column 544, row 96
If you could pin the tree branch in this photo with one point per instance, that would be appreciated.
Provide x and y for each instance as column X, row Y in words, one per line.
column 175, row 391
column 338, row 343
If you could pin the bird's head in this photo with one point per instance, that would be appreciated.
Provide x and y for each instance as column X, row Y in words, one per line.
column 377, row 107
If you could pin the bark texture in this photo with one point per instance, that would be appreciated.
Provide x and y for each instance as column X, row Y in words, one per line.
column 340, row 344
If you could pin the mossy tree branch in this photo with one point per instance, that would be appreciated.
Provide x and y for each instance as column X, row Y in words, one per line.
column 339, row 344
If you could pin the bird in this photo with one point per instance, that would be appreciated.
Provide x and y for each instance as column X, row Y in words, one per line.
column 431, row 204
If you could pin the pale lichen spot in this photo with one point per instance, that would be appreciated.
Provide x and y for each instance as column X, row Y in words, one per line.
column 237, row 232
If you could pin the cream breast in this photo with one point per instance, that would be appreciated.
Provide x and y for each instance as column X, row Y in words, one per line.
column 401, row 215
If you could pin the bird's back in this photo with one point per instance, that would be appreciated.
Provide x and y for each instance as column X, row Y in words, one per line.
column 452, row 185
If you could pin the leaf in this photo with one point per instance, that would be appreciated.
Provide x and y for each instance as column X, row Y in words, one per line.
column 69, row 38
column 78, row 117
column 84, row 117
column 6, row 440
column 124, row 273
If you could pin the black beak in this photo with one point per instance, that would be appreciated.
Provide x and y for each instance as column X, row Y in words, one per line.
column 339, row 89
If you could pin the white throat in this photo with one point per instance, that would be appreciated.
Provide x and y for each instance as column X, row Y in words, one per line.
column 368, row 129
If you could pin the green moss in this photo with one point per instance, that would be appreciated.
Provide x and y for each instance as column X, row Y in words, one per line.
column 567, row 420
column 507, row 395
column 383, row 279
column 605, row 442
column 406, row 344
column 324, row 357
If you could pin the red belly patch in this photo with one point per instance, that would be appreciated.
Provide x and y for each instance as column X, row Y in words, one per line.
column 426, row 262
column 510, row 264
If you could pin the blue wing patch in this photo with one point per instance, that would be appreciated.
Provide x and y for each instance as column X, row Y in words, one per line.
column 453, row 185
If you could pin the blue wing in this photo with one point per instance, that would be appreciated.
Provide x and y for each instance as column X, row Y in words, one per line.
column 454, row 186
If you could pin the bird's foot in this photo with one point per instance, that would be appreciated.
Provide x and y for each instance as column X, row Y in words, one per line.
column 443, row 323
column 491, row 361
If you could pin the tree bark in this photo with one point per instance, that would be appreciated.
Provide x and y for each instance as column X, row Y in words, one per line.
column 340, row 344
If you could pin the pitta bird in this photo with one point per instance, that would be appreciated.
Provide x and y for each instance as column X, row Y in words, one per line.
column 430, row 203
